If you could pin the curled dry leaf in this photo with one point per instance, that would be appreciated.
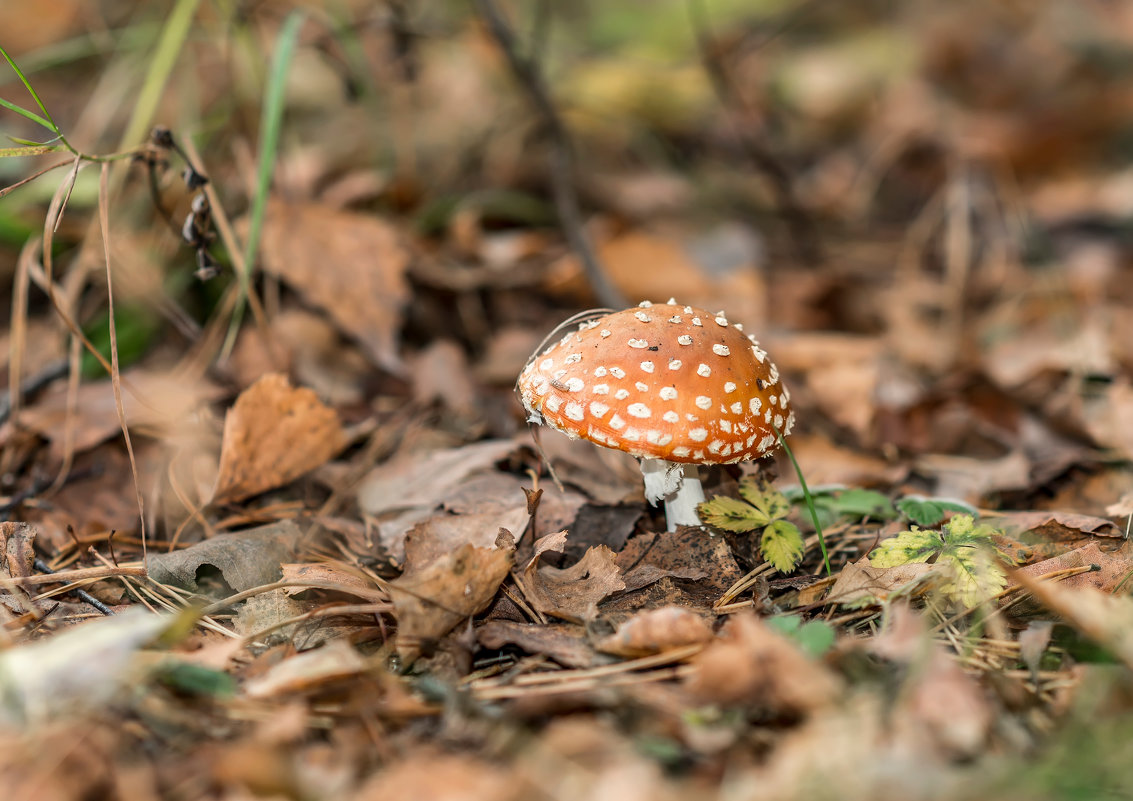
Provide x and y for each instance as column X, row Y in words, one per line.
column 655, row 631
column 1113, row 566
column 350, row 265
column 334, row 577
column 750, row 664
column 571, row 593
column 245, row 559
column 273, row 434
column 430, row 602
column 17, row 549
column 335, row 660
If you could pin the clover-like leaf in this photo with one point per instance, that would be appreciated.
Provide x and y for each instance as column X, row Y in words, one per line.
column 859, row 503
column 914, row 545
column 764, row 497
column 732, row 514
column 930, row 511
column 782, row 545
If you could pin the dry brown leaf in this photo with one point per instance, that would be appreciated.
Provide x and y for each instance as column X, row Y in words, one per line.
column 335, row 660
column 750, row 664
column 17, row 549
column 861, row 581
column 656, row 630
column 1105, row 618
column 566, row 643
column 308, row 348
column 440, row 373
column 344, row 579
column 1123, row 507
column 245, row 559
column 273, row 434
column 688, row 553
column 409, row 487
column 432, row 601
column 1114, row 566
column 572, row 593
column 156, row 404
column 350, row 265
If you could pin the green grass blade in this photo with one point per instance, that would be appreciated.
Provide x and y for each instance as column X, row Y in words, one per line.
column 45, row 120
column 809, row 501
column 31, row 115
column 271, row 120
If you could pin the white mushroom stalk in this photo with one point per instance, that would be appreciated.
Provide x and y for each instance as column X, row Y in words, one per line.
column 673, row 385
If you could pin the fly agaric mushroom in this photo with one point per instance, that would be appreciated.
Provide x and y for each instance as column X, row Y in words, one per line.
column 672, row 385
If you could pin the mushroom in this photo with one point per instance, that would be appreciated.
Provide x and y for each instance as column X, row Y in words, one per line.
column 672, row 385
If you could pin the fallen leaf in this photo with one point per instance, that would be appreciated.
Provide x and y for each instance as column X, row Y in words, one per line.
column 17, row 549
column 335, row 660
column 350, row 265
column 157, row 404
column 655, row 631
column 409, row 487
column 440, row 373
column 860, row 581
column 750, row 664
column 1105, row 618
column 1123, row 507
column 245, row 559
column 566, row 643
column 273, row 434
column 688, row 553
column 432, row 601
column 343, row 579
column 572, row 593
column 1114, row 566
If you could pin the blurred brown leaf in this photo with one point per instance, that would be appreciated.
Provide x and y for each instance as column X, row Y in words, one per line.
column 861, row 581
column 273, row 434
column 749, row 664
column 17, row 548
column 655, row 631
column 299, row 673
column 350, row 265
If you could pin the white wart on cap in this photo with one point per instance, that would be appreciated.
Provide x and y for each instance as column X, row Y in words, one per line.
column 661, row 381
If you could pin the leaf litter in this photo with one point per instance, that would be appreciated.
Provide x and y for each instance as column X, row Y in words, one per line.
column 363, row 578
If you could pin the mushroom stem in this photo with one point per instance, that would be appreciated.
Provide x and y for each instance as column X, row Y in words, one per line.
column 679, row 485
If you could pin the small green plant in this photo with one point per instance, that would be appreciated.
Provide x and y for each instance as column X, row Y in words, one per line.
column 836, row 503
column 814, row 637
column 931, row 511
column 762, row 508
column 965, row 553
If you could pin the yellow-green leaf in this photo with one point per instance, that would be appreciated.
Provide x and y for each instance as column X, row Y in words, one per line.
column 782, row 545
column 914, row 545
column 764, row 497
column 731, row 514
column 975, row 575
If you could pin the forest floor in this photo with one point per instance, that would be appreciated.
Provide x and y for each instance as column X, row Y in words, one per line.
column 275, row 525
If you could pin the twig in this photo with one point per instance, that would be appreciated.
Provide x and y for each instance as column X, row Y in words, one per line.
column 83, row 595
column 78, row 574
column 527, row 74
column 801, row 227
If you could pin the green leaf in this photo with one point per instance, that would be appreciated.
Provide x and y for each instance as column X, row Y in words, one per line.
column 815, row 637
column 45, row 120
column 731, row 514
column 914, row 545
column 930, row 511
column 782, row 545
column 194, row 680
column 864, row 503
column 37, row 150
column 764, row 497
column 136, row 327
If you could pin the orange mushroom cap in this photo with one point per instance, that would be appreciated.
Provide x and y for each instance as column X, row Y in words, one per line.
column 661, row 381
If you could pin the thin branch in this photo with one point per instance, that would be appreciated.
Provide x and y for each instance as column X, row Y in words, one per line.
column 527, row 75
column 799, row 224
